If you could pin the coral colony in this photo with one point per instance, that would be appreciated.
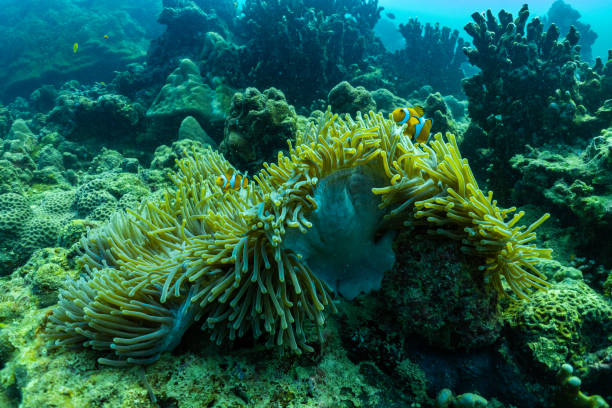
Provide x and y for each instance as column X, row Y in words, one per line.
column 303, row 203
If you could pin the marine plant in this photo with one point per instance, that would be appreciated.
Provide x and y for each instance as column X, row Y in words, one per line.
column 265, row 259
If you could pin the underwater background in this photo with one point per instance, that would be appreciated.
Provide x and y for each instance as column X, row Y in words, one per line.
column 305, row 203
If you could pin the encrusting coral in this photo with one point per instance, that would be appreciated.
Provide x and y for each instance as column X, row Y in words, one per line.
column 240, row 260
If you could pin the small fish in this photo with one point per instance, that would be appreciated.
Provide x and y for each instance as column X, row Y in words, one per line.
column 232, row 180
column 102, row 83
column 106, row 36
column 417, row 126
column 75, row 47
column 391, row 16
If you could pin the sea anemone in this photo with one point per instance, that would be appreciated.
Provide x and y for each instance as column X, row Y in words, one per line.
column 266, row 259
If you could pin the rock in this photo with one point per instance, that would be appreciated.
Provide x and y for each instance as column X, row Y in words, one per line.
column 386, row 101
column 191, row 129
column 344, row 98
column 258, row 126
column 185, row 94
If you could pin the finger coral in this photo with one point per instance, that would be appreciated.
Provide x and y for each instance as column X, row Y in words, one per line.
column 265, row 259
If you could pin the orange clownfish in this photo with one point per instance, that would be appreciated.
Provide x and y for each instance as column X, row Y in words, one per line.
column 417, row 126
column 232, row 181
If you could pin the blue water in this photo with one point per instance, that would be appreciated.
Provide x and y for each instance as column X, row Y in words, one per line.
column 456, row 14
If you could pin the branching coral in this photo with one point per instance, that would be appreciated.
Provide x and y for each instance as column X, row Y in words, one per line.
column 236, row 259
column 432, row 55
column 532, row 89
column 283, row 37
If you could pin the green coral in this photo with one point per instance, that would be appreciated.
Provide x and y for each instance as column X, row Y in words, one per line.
column 93, row 201
column 45, row 272
column 258, row 125
column 15, row 212
column 345, row 98
column 98, row 198
column 11, row 180
column 446, row 399
column 57, row 202
column 41, row 231
column 570, row 396
column 561, row 324
column 576, row 184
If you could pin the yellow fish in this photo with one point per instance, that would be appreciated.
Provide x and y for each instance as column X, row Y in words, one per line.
column 417, row 126
column 106, row 36
column 75, row 47
column 232, row 180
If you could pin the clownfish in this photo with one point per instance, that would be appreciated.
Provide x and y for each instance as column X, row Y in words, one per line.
column 417, row 126
column 232, row 180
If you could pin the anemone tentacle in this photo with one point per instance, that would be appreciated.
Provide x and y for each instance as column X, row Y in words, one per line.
column 224, row 257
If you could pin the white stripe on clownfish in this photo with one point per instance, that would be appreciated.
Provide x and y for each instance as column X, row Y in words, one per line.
column 232, row 180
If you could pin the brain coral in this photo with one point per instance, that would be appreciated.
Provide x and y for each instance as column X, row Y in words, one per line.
column 562, row 324
column 94, row 201
column 251, row 260
column 14, row 213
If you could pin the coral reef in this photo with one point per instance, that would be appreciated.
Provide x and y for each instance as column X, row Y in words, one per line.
column 564, row 324
column 564, row 16
column 258, row 125
column 90, row 115
column 25, row 227
column 185, row 94
column 389, row 274
column 432, row 55
column 576, row 184
column 252, row 258
column 422, row 274
column 187, row 24
column 191, row 129
column 222, row 59
column 446, row 399
column 40, row 194
column 519, row 63
column 344, row 98
column 327, row 37
column 570, row 396
column 436, row 108
column 532, row 90
column 386, row 101
column 39, row 37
